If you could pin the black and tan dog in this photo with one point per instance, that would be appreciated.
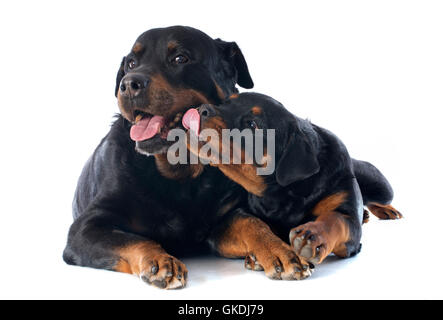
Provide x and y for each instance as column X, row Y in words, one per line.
column 133, row 210
column 313, row 196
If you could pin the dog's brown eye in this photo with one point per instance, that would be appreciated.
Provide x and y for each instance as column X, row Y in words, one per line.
column 131, row 64
column 180, row 59
column 252, row 125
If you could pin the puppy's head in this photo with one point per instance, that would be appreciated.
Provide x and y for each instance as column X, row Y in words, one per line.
column 167, row 71
column 295, row 141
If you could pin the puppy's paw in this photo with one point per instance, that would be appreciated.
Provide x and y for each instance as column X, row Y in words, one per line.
column 278, row 262
column 311, row 242
column 384, row 212
column 164, row 271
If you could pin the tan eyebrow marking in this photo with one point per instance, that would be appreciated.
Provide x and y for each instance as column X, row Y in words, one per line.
column 256, row 110
column 137, row 48
column 172, row 45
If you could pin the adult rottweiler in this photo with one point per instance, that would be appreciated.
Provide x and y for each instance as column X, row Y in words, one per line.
column 133, row 210
column 312, row 196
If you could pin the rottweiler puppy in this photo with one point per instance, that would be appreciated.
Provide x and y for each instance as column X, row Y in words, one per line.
column 313, row 196
column 134, row 211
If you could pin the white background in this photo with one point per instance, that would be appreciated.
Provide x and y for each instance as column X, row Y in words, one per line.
column 372, row 72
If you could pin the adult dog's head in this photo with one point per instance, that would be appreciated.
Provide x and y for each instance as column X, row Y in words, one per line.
column 169, row 70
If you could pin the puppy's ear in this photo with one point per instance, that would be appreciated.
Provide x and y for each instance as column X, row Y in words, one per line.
column 234, row 56
column 120, row 75
column 298, row 162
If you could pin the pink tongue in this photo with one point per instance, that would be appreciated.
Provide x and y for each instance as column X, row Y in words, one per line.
column 191, row 120
column 146, row 128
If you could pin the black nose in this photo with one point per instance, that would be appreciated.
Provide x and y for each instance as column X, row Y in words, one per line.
column 133, row 84
column 206, row 111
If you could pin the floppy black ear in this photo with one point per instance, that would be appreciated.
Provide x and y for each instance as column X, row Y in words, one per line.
column 120, row 75
column 235, row 57
column 298, row 162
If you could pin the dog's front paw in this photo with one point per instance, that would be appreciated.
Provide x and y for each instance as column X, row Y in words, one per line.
column 311, row 242
column 278, row 262
column 164, row 271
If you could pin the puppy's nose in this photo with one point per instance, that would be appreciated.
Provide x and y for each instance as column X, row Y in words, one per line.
column 206, row 111
column 133, row 84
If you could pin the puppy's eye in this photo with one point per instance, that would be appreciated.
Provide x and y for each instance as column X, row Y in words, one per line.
column 252, row 125
column 132, row 64
column 180, row 59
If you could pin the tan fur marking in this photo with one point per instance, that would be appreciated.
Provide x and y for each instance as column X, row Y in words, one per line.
column 384, row 211
column 329, row 203
column 336, row 230
column 172, row 45
column 250, row 237
column 123, row 266
column 246, row 176
column 329, row 233
column 164, row 100
column 256, row 110
column 243, row 235
column 217, row 124
column 132, row 256
column 179, row 98
column 152, row 264
column 137, row 48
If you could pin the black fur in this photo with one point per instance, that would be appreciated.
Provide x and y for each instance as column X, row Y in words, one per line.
column 312, row 163
column 301, row 151
column 121, row 197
